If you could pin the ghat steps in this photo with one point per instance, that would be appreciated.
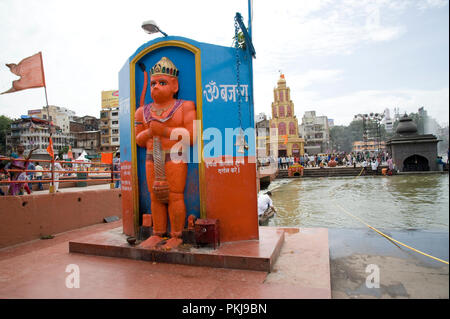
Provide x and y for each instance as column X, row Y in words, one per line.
column 331, row 172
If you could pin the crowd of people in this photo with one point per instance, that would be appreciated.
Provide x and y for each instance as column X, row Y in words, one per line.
column 20, row 169
column 14, row 171
column 355, row 159
column 35, row 172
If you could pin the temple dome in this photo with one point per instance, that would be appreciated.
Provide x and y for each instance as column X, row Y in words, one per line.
column 406, row 126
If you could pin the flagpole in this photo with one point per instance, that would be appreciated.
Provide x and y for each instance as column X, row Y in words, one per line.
column 52, row 183
column 46, row 100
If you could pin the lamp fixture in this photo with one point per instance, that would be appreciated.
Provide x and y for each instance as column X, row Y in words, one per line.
column 150, row 27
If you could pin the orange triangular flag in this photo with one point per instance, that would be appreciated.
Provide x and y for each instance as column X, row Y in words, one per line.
column 50, row 148
column 69, row 153
column 285, row 137
column 31, row 72
column 107, row 158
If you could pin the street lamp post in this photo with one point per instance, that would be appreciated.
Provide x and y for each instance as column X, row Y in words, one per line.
column 150, row 27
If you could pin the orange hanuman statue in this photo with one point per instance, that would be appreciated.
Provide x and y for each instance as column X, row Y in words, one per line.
column 166, row 173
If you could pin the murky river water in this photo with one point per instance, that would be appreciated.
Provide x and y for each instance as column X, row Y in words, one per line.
column 395, row 202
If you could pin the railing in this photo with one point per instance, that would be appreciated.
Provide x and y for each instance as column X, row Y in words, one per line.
column 80, row 167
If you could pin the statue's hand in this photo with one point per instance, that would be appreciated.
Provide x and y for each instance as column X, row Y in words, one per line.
column 143, row 137
column 157, row 128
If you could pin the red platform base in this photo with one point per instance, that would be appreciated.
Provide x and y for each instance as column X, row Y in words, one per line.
column 257, row 255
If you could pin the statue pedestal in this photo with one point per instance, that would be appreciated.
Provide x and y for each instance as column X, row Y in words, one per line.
column 257, row 255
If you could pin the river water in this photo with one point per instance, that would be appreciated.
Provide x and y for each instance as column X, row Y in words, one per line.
column 402, row 202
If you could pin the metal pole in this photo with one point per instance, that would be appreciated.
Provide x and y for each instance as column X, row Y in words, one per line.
column 364, row 135
column 251, row 100
column 250, row 18
column 52, row 183
column 379, row 136
column 46, row 100
column 112, row 173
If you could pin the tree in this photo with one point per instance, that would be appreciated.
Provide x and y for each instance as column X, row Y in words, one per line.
column 340, row 137
column 63, row 151
column 420, row 122
column 356, row 130
column 5, row 125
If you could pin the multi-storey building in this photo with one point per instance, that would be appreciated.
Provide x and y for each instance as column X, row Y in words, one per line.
column 88, row 123
column 34, row 132
column 88, row 141
column 388, row 122
column 87, row 135
column 76, row 127
column 284, row 123
column 262, row 132
column 60, row 116
column 260, row 117
column 315, row 130
column 109, row 122
column 109, row 129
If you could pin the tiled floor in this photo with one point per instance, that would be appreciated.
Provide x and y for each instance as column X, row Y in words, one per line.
column 38, row 270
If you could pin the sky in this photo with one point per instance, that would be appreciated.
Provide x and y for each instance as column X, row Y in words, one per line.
column 339, row 57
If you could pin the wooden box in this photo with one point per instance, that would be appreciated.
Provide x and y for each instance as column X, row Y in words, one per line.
column 207, row 232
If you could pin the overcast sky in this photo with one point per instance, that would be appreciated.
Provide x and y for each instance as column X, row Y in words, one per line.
column 339, row 58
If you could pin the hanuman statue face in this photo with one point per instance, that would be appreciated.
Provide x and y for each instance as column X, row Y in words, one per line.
column 163, row 88
column 163, row 81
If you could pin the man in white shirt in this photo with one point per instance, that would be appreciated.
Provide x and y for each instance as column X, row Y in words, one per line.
column 374, row 165
column 264, row 202
column 38, row 175
column 56, row 174
column 283, row 162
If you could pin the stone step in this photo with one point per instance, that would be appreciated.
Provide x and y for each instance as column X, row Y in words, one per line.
column 331, row 172
column 258, row 255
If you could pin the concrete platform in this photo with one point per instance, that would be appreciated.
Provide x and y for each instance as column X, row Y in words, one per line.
column 259, row 255
column 38, row 269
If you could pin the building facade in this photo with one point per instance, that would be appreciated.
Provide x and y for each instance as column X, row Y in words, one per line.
column 109, row 122
column 76, row 127
column 88, row 141
column 316, row 133
column 410, row 150
column 88, row 123
column 34, row 132
column 369, row 146
column 87, row 135
column 60, row 116
column 388, row 122
column 284, row 123
column 262, row 132
column 260, row 117
column 109, row 129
